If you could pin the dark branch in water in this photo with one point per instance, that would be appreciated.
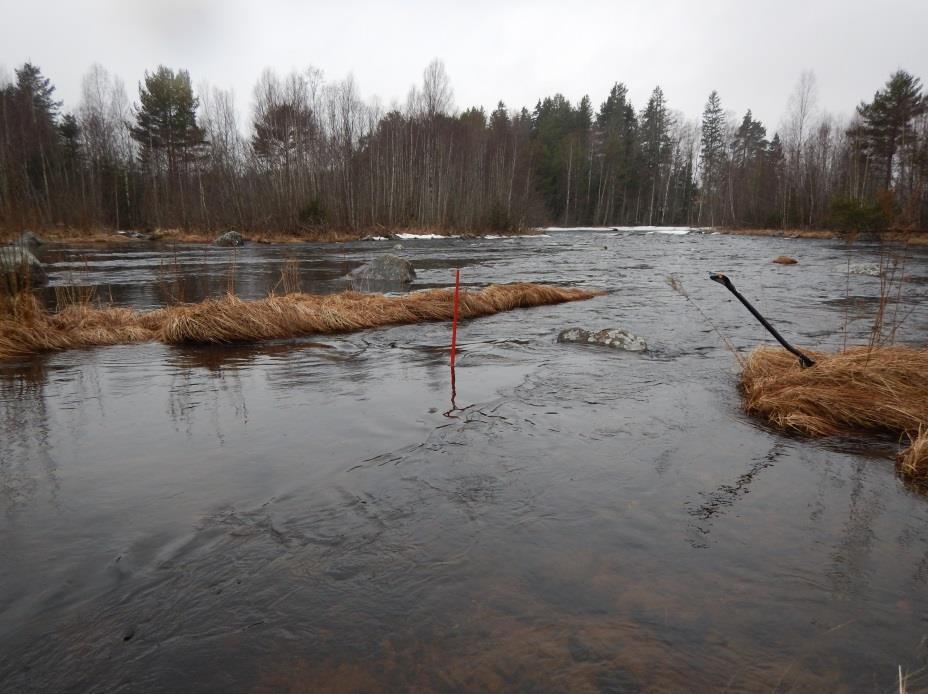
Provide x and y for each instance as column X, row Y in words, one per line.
column 723, row 280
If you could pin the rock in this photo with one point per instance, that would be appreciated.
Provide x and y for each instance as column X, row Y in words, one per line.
column 397, row 247
column 611, row 337
column 230, row 239
column 386, row 268
column 135, row 235
column 785, row 260
column 868, row 269
column 28, row 240
column 20, row 269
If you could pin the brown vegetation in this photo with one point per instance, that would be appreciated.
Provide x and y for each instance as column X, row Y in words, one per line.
column 912, row 463
column 785, row 260
column 27, row 328
column 77, row 236
column 878, row 390
column 912, row 238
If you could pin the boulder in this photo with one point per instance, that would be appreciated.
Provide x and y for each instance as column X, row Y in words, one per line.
column 386, row 268
column 135, row 235
column 28, row 240
column 19, row 269
column 785, row 260
column 610, row 337
column 230, row 239
column 868, row 269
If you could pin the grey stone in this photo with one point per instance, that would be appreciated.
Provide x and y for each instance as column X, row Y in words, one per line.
column 386, row 268
column 28, row 240
column 20, row 269
column 610, row 337
column 230, row 239
column 135, row 235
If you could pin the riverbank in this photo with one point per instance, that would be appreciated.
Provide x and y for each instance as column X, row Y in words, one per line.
column 912, row 238
column 94, row 236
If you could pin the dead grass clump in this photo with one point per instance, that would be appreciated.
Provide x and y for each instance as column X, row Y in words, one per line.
column 27, row 328
column 912, row 463
column 232, row 320
column 785, row 260
column 884, row 389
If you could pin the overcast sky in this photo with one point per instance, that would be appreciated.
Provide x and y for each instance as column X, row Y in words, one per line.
column 751, row 52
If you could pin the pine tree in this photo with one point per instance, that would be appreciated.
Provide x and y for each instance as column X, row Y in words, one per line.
column 888, row 120
column 166, row 124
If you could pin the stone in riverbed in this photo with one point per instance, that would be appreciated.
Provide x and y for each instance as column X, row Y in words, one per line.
column 386, row 268
column 610, row 337
column 19, row 269
column 28, row 240
column 230, row 239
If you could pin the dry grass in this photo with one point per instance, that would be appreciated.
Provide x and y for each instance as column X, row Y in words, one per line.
column 27, row 328
column 912, row 463
column 232, row 320
column 912, row 238
column 858, row 390
column 785, row 260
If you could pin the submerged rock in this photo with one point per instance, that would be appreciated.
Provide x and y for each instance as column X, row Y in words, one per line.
column 386, row 268
column 28, row 240
column 868, row 269
column 230, row 239
column 20, row 269
column 611, row 337
column 785, row 260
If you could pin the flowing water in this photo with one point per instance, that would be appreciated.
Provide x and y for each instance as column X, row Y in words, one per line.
column 318, row 515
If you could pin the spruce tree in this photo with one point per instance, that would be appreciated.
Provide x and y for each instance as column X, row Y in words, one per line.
column 712, row 153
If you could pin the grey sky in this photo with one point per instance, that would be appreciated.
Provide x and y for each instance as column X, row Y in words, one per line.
column 515, row 51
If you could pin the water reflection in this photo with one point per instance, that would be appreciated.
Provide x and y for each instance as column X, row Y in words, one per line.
column 263, row 516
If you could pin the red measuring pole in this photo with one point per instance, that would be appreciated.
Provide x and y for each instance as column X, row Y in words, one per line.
column 454, row 321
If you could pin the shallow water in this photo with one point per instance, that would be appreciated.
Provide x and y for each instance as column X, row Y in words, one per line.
column 317, row 514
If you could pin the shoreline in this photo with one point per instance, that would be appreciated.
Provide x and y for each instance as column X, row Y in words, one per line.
column 912, row 238
column 93, row 236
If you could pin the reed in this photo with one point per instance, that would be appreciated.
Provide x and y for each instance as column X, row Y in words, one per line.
column 26, row 327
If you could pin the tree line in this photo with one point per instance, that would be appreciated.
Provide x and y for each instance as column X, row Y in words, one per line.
column 316, row 155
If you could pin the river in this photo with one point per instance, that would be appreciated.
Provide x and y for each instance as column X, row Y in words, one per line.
column 318, row 514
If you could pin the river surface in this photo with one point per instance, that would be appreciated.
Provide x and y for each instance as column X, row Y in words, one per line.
column 317, row 514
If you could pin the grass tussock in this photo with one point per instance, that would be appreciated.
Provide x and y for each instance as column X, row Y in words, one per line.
column 232, row 320
column 912, row 463
column 27, row 328
column 858, row 390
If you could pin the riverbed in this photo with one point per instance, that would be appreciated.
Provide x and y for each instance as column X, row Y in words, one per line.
column 324, row 514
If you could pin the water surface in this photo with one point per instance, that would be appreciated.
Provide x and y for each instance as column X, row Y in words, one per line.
column 318, row 515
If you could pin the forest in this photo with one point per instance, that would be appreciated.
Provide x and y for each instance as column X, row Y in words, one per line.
column 314, row 155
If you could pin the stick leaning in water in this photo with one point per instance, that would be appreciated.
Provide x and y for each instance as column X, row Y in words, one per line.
column 723, row 280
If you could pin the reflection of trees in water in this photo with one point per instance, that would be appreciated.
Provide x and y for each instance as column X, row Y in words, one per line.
column 198, row 382
column 25, row 459
column 854, row 548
